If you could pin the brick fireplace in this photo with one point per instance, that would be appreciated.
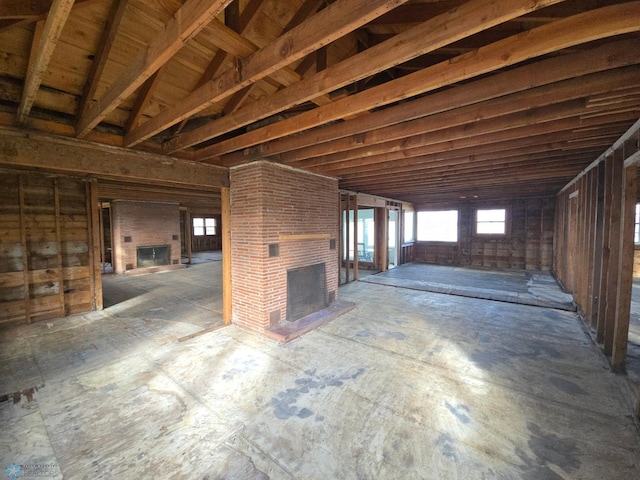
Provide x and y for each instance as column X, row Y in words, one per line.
column 283, row 221
column 146, row 236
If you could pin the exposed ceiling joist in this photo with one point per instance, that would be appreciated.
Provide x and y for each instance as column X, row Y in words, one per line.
column 188, row 21
column 582, row 28
column 328, row 25
column 44, row 44
column 112, row 27
column 609, row 56
column 422, row 101
column 431, row 35
column 403, row 135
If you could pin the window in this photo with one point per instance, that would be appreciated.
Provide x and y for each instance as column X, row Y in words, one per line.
column 409, row 236
column 491, row 222
column 204, row 226
column 438, row 226
column 210, row 226
column 636, row 235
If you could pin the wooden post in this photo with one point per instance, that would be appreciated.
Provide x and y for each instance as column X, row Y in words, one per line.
column 60, row 269
column 25, row 260
column 226, row 256
column 597, row 253
column 592, row 187
column 347, row 241
column 188, row 238
column 103, row 264
column 606, row 252
column 625, row 268
column 93, row 211
column 572, row 242
column 614, row 253
column 356, row 266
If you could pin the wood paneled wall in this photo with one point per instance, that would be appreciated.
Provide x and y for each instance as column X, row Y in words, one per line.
column 527, row 245
column 48, row 265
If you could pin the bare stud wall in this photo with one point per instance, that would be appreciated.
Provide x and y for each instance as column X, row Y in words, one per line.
column 594, row 247
column 528, row 243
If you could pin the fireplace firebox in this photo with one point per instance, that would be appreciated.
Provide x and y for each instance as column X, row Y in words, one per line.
column 306, row 290
column 153, row 255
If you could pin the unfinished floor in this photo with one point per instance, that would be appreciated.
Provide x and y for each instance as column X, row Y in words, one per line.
column 409, row 384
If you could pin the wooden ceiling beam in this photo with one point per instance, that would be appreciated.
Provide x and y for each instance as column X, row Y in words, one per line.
column 29, row 9
column 510, row 190
column 609, row 56
column 308, row 8
column 187, row 22
column 328, row 25
column 435, row 33
column 565, row 140
column 142, row 100
column 487, row 131
column 245, row 22
column 115, row 16
column 70, row 156
column 44, row 44
column 471, row 180
column 593, row 25
column 240, row 47
column 459, row 141
column 21, row 13
column 535, row 161
column 419, row 12
column 13, row 9
column 392, row 137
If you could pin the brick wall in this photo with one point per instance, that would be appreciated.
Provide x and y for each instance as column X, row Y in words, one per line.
column 295, row 212
column 143, row 224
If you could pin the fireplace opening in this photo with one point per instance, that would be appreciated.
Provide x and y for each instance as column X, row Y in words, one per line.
column 153, row 256
column 306, row 291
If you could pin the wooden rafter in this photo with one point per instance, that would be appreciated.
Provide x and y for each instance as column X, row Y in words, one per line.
column 21, row 13
column 245, row 22
column 45, row 42
column 400, row 136
column 307, row 9
column 553, row 136
column 142, row 100
column 188, row 21
column 596, row 24
column 330, row 24
column 116, row 14
column 605, row 57
column 432, row 34
column 497, row 131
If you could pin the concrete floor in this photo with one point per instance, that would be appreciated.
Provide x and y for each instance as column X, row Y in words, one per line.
column 409, row 384
column 527, row 287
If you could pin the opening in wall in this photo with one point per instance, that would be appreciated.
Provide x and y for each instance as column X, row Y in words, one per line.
column 438, row 226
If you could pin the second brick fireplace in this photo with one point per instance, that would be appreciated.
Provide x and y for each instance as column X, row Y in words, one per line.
column 284, row 231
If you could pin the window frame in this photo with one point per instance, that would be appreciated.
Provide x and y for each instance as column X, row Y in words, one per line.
column 205, row 228
column 507, row 222
column 636, row 227
column 414, row 223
